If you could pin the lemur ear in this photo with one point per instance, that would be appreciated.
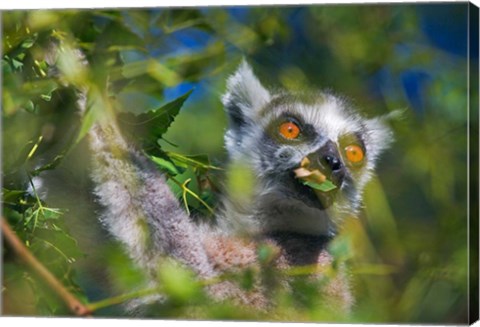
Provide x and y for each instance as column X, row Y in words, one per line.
column 245, row 96
column 379, row 134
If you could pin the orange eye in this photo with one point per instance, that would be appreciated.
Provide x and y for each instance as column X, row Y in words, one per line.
column 289, row 130
column 354, row 153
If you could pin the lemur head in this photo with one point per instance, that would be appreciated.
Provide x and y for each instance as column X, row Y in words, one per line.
column 275, row 133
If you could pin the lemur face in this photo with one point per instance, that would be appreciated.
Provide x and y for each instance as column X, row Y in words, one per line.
column 316, row 129
column 277, row 133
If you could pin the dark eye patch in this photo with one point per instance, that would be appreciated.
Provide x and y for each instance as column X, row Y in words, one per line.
column 348, row 139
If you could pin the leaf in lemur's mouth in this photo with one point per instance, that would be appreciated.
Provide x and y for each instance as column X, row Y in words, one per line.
column 324, row 187
column 313, row 178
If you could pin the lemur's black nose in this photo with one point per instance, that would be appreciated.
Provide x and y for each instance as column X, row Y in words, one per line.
column 330, row 163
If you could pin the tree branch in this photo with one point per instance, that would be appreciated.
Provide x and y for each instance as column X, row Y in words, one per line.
column 75, row 306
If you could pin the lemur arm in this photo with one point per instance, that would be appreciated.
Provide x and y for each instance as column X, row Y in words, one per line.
column 140, row 209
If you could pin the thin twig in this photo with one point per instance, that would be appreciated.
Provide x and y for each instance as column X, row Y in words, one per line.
column 186, row 190
column 122, row 298
column 21, row 250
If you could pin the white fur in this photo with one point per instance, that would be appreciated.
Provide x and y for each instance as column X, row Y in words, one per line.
column 245, row 90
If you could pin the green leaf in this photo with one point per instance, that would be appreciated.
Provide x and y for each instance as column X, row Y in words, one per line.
column 17, row 64
column 6, row 67
column 97, row 105
column 150, row 126
column 12, row 195
column 52, row 213
column 57, row 245
column 341, row 248
column 70, row 65
column 166, row 165
column 178, row 282
column 30, row 107
column 199, row 161
column 18, row 200
column 28, row 43
column 125, row 275
column 46, row 97
column 324, row 187
column 266, row 253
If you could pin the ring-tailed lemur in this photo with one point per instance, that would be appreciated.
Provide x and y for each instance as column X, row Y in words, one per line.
column 283, row 139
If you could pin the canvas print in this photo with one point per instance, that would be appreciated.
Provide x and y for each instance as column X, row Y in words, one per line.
column 302, row 163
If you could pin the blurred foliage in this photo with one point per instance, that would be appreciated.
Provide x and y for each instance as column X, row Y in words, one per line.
column 407, row 254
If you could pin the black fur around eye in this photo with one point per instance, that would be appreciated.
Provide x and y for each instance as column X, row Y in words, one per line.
column 351, row 139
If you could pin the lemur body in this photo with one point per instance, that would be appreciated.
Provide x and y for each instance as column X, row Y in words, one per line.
column 143, row 213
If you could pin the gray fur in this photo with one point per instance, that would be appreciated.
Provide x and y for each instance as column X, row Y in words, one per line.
column 141, row 210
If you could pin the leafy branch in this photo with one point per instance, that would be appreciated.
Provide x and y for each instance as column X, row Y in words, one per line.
column 172, row 286
column 74, row 305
